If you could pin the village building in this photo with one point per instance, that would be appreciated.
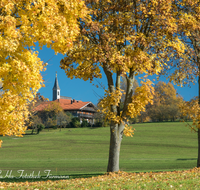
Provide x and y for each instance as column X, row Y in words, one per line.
column 78, row 108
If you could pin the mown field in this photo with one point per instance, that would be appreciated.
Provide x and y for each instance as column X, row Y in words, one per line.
column 84, row 152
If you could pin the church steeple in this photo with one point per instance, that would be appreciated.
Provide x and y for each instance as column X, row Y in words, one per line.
column 56, row 89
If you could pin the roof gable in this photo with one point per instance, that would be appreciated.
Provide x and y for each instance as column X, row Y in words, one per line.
column 67, row 104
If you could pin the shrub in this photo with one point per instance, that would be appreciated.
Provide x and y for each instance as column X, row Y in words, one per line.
column 55, row 127
column 106, row 124
column 90, row 125
column 98, row 124
column 75, row 123
column 84, row 123
column 69, row 125
column 40, row 127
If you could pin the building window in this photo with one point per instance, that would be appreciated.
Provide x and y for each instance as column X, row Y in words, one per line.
column 58, row 92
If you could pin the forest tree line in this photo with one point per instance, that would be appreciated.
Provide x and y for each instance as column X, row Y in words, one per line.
column 167, row 105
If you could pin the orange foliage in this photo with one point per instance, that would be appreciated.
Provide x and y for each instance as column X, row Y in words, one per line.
column 22, row 24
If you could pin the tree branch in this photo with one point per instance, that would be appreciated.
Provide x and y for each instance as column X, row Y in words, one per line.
column 129, row 91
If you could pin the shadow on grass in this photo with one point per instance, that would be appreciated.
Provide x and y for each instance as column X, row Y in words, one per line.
column 178, row 121
column 184, row 159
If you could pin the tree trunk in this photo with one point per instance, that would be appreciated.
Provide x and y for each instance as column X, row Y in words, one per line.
column 198, row 159
column 116, row 135
column 197, row 50
column 198, row 132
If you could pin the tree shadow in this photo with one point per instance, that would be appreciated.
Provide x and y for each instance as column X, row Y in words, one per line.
column 30, row 134
column 184, row 159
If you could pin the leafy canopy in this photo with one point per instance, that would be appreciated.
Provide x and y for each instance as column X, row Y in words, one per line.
column 23, row 23
column 186, row 66
column 124, row 38
column 166, row 103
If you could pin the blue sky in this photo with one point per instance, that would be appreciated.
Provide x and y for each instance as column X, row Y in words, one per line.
column 84, row 90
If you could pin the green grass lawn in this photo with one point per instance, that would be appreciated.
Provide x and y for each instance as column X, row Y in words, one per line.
column 188, row 179
column 154, row 147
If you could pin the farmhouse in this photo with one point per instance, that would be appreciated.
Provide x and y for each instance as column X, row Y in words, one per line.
column 83, row 110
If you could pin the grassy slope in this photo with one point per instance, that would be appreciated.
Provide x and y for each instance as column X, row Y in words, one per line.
column 155, row 146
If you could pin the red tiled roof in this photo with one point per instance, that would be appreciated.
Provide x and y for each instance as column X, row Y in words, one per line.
column 67, row 105
column 64, row 103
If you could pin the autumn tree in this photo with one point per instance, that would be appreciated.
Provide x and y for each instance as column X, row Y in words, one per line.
column 123, row 38
column 35, row 123
column 49, row 114
column 1, row 92
column 186, row 67
column 50, row 111
column 38, row 99
column 99, row 117
column 63, row 119
column 190, row 111
column 166, row 103
column 34, row 120
column 191, row 14
column 123, row 86
column 23, row 23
